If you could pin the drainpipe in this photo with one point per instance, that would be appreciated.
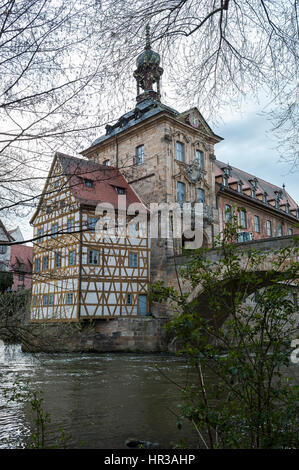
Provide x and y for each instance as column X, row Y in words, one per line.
column 116, row 154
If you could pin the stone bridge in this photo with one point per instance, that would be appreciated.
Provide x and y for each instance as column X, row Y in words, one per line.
column 224, row 286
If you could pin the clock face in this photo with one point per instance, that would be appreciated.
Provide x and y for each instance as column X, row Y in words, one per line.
column 193, row 119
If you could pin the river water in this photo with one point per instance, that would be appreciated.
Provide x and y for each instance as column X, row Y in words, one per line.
column 100, row 400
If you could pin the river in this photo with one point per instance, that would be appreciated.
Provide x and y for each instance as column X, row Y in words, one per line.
column 100, row 400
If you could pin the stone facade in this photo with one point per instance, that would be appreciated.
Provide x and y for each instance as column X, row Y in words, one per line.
column 156, row 179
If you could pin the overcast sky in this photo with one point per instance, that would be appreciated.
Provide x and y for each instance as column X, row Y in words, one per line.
column 250, row 145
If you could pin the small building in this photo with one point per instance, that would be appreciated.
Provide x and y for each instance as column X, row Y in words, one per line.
column 21, row 266
column 16, row 258
column 4, row 249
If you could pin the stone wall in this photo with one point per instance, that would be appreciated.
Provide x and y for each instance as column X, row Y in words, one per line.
column 124, row 334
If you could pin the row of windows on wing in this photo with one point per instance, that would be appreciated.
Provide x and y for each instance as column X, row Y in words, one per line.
column 93, row 259
column 257, row 224
column 48, row 300
column 253, row 191
column 90, row 226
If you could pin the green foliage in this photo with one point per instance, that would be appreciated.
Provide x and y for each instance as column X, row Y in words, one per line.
column 13, row 302
column 6, row 280
column 251, row 401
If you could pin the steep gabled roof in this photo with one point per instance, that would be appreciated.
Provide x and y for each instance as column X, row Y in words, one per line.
column 201, row 125
column 105, row 181
column 6, row 233
column 21, row 254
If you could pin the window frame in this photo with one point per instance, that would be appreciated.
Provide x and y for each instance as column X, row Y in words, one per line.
column 70, row 226
column 202, row 191
column 257, row 224
column 45, row 263
column 133, row 259
column 88, row 183
column 39, row 234
column 182, row 185
column 92, row 226
column 201, row 159
column 54, row 233
column 88, row 257
column 72, row 255
column 180, row 154
column 37, row 264
column 269, row 228
column 139, row 155
column 243, row 218
column 57, row 256
column 228, row 213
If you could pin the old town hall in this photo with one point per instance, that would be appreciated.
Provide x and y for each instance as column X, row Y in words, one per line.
column 153, row 154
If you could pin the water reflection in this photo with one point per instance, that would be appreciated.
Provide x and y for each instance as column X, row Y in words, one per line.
column 100, row 399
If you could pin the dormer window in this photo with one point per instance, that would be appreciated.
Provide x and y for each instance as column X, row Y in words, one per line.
column 88, row 183
column 287, row 207
column 254, row 187
column 227, row 171
column 239, row 187
column 120, row 190
column 277, row 199
column 265, row 197
column 226, row 176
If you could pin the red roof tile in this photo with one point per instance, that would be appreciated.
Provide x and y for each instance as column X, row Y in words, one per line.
column 105, row 181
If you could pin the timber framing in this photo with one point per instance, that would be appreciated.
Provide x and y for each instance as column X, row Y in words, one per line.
column 80, row 273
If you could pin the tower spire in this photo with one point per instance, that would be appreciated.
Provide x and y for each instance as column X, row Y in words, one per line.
column 147, row 37
column 148, row 71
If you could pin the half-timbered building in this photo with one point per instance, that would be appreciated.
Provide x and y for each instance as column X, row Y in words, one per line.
column 82, row 271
